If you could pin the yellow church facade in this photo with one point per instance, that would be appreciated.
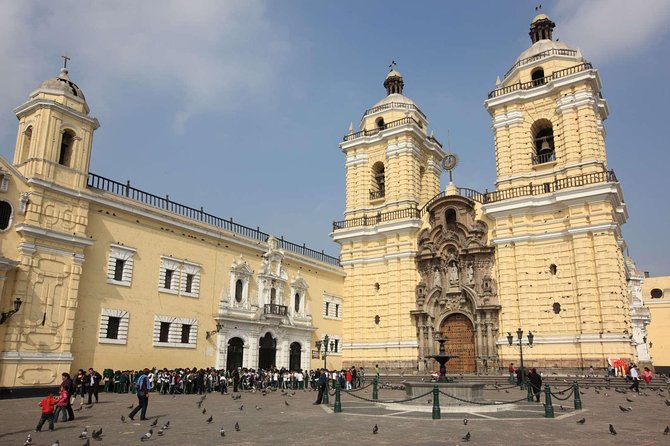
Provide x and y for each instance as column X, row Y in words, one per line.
column 97, row 273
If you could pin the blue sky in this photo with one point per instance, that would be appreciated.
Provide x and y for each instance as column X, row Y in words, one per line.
column 239, row 106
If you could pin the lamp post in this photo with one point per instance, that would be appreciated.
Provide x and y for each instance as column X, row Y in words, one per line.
column 7, row 314
column 510, row 339
column 325, row 344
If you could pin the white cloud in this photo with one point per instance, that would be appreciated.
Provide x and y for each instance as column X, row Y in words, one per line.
column 606, row 29
column 205, row 55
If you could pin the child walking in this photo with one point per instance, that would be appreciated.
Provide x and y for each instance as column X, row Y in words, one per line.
column 47, row 405
column 61, row 404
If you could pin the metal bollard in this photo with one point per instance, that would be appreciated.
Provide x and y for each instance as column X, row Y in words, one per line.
column 578, row 398
column 337, row 408
column 530, row 395
column 548, row 408
column 436, row 403
column 325, row 395
column 375, row 394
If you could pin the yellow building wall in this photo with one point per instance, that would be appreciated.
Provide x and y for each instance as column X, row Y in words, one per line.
column 659, row 328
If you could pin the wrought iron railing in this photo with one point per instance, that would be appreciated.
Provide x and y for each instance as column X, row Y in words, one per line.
column 543, row 54
column 391, row 105
column 126, row 190
column 279, row 310
column 376, row 218
column 543, row 158
column 374, row 131
column 375, row 194
column 541, row 81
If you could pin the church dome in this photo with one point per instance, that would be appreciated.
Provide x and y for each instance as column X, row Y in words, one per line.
column 63, row 83
column 541, row 46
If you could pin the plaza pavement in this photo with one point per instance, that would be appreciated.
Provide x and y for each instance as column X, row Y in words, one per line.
column 302, row 423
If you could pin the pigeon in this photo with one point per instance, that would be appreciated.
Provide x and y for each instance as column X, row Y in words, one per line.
column 28, row 441
column 582, row 421
column 222, row 432
column 625, row 409
column 166, row 425
column 242, row 407
column 667, row 403
column 258, row 407
column 123, row 419
column 55, row 443
column 506, row 391
column 430, row 401
column 629, row 400
column 84, row 433
column 375, row 430
column 160, row 432
column 466, row 437
column 97, row 434
column 561, row 407
column 465, row 421
column 130, row 407
column 612, row 431
column 209, row 420
column 237, row 426
column 87, row 442
column 596, row 390
column 286, row 402
column 155, row 422
column 204, row 411
column 147, row 436
column 665, row 432
column 284, row 393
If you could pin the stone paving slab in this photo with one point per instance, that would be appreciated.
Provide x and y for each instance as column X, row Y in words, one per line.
column 275, row 423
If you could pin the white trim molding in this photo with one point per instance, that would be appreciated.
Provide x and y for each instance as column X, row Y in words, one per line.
column 122, row 333
column 175, row 332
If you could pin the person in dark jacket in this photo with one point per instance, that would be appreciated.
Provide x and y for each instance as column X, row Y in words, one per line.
column 322, row 385
column 535, row 380
column 143, row 385
column 93, row 382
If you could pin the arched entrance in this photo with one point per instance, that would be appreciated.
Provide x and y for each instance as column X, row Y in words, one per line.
column 294, row 359
column 267, row 351
column 460, row 341
column 235, row 353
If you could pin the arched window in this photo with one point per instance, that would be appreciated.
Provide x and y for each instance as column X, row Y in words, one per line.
column 380, row 123
column 538, row 77
column 378, row 181
column 27, row 139
column 273, row 296
column 297, row 303
column 450, row 218
column 238, row 290
column 5, row 215
column 543, row 142
column 66, row 144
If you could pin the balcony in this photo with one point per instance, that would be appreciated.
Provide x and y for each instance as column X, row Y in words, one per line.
column 377, row 194
column 541, row 81
column 374, row 131
column 276, row 310
column 543, row 158
column 542, row 55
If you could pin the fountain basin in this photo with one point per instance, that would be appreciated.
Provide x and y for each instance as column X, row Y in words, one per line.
column 467, row 391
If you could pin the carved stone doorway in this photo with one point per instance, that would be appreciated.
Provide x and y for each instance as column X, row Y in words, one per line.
column 460, row 336
column 235, row 353
column 267, row 352
column 294, row 357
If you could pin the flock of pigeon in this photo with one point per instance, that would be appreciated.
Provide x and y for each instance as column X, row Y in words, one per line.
column 96, row 435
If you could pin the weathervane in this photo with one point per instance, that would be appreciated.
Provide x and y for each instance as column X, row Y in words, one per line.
column 538, row 8
column 392, row 66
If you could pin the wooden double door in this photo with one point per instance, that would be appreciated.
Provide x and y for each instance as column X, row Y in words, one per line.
column 460, row 336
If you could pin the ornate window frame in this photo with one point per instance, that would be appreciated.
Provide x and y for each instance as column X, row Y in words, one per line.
column 181, row 269
column 122, row 335
column 174, row 335
column 298, row 288
column 240, row 270
column 329, row 310
column 124, row 253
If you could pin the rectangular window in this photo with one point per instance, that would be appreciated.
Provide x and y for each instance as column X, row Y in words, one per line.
column 118, row 269
column 337, row 345
column 337, row 310
column 185, row 333
column 327, row 308
column 113, row 327
column 168, row 279
column 189, row 283
column 165, row 332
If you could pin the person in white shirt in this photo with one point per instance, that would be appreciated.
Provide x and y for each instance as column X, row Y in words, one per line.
column 635, row 377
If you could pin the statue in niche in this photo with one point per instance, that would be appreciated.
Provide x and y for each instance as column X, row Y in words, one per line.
column 265, row 265
column 437, row 278
column 470, row 274
column 453, row 274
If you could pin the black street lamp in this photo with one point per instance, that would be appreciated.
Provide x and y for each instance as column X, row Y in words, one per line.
column 510, row 339
column 325, row 344
column 7, row 314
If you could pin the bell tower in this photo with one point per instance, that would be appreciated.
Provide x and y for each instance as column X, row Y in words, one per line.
column 392, row 169
column 55, row 133
column 558, row 209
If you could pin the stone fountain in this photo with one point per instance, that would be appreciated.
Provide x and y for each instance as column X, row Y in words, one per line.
column 466, row 391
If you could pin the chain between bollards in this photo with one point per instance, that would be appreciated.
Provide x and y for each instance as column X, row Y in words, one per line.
column 578, row 398
column 337, row 408
column 436, row 403
column 375, row 394
column 548, row 408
